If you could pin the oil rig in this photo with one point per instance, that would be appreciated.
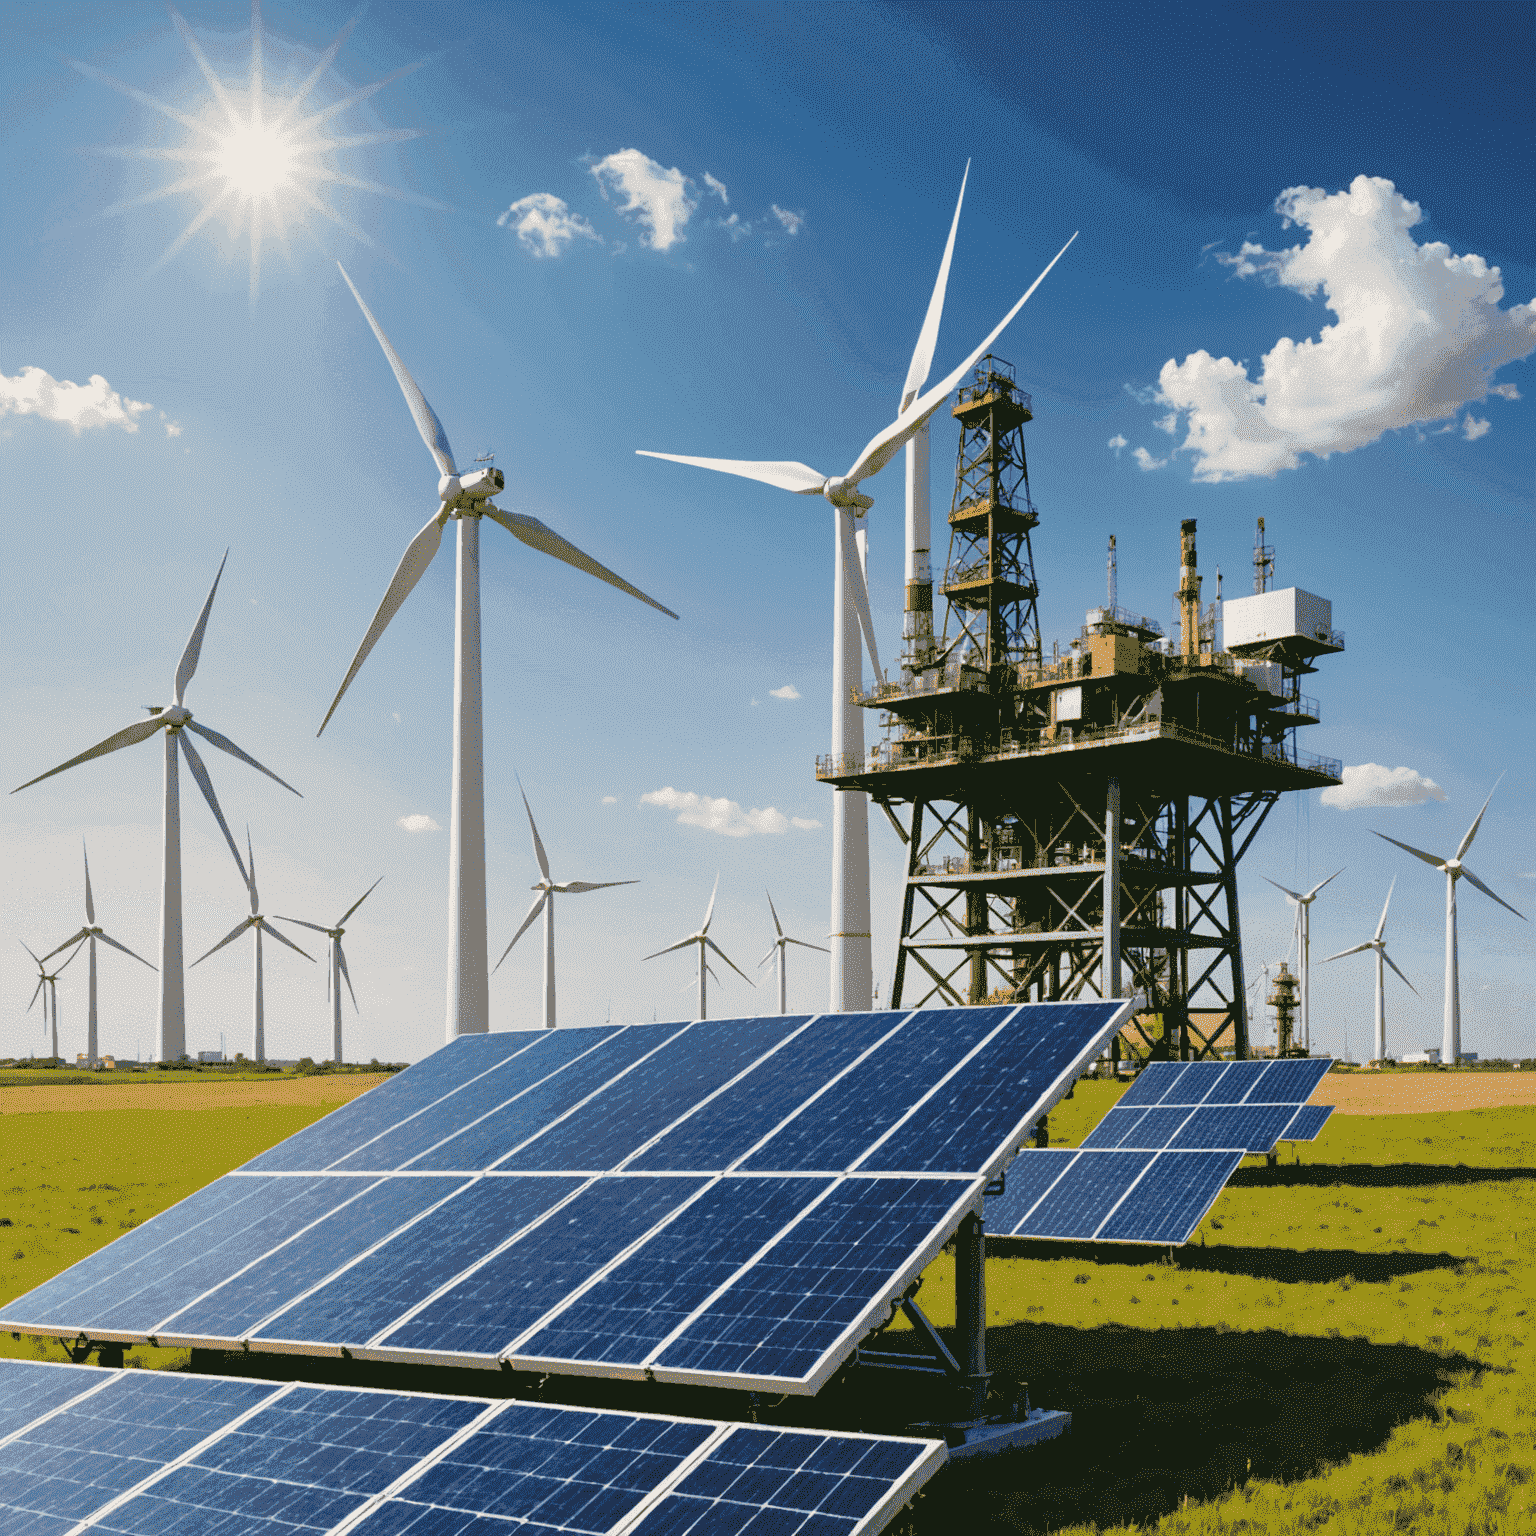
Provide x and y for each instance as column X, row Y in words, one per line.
column 1074, row 821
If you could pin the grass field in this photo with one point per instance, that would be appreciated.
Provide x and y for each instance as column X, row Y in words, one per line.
column 1343, row 1349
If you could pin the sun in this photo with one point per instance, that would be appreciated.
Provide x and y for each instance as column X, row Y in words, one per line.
column 261, row 160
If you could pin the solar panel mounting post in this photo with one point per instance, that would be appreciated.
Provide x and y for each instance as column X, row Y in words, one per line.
column 971, row 1311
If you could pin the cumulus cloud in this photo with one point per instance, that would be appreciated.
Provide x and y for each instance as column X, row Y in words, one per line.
column 722, row 815
column 788, row 691
column 544, row 225
column 1145, row 459
column 790, row 221
column 718, row 188
column 803, row 824
column 1371, row 784
column 1473, row 428
column 656, row 197
column 1117, row 443
column 33, row 392
column 418, row 823
column 735, row 228
column 610, row 799
column 1418, row 335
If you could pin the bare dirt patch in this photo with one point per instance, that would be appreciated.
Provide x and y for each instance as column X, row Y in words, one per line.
column 1423, row 1093
column 195, row 1094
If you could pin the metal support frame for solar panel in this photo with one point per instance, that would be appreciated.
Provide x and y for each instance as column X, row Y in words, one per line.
column 399, row 1227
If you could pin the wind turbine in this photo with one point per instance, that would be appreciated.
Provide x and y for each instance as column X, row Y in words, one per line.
column 1303, row 904
column 47, row 984
column 778, row 949
column 259, row 925
column 852, row 967
column 702, row 939
column 89, row 935
column 1379, row 946
column 336, row 971
column 465, row 499
column 1454, row 870
column 545, row 903
column 175, row 721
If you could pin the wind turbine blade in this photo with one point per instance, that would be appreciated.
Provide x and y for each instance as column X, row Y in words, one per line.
column 28, row 949
column 1388, row 958
column 854, row 583
column 130, row 735
column 772, row 950
column 1294, row 895
column 356, row 904
column 1471, row 879
column 1466, row 842
column 1359, row 949
column 1418, row 853
column 60, row 971
column 538, row 842
column 537, row 535
column 928, row 337
column 90, row 905
column 188, row 663
column 251, row 864
column 787, row 474
column 427, row 424
column 533, row 912
column 681, row 944
column 204, row 783
column 804, row 945
column 709, row 914
column 224, row 744
column 74, row 938
column 710, row 970
column 413, row 565
column 1321, row 883
column 283, row 938
column 581, row 887
column 341, row 965
column 883, row 446
column 1381, row 927
column 229, row 938
column 124, row 948
column 711, row 943
column 778, row 927
column 41, row 983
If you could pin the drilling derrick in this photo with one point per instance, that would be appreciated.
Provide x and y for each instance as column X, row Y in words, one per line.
column 1074, row 821
column 1283, row 1001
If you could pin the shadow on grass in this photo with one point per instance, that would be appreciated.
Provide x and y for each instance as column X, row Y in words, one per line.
column 1373, row 1175
column 1288, row 1265
column 1157, row 1414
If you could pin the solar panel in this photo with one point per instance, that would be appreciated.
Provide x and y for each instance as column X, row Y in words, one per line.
column 1307, row 1122
column 729, row 1202
column 149, row 1453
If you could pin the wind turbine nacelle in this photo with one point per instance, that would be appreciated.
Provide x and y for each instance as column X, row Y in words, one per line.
column 480, row 486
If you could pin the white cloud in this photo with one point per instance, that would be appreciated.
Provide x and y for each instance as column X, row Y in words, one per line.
column 610, row 799
column 1371, row 784
column 1504, row 391
column 1419, row 334
column 657, row 197
column 788, row 691
column 804, row 825
column 722, row 815
column 718, row 188
column 735, row 228
column 1473, row 427
column 418, row 823
column 790, row 221
column 34, row 392
column 172, row 428
column 545, row 226
column 1117, row 443
column 1145, row 459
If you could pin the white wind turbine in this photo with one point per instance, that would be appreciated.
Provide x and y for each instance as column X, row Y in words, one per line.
column 465, row 499
column 1302, row 901
column 175, row 721
column 545, row 903
column 258, row 925
column 89, row 935
column 852, row 966
column 1454, row 870
column 48, row 985
column 779, row 945
column 336, row 971
column 1378, row 945
column 702, row 939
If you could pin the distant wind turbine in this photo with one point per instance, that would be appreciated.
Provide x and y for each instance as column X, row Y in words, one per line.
column 702, row 939
column 1303, row 904
column 1378, row 945
column 465, row 499
column 1453, row 870
column 47, row 984
column 258, row 925
column 88, row 936
column 336, row 971
column 852, row 967
column 545, row 903
column 175, row 721
column 777, row 949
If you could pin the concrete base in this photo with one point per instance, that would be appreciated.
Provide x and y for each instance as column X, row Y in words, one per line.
column 986, row 1439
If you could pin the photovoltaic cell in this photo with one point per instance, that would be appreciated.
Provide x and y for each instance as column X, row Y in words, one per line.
column 1307, row 1122
column 1154, row 1081
column 1290, row 1082
column 1249, row 1127
column 29, row 1389
column 1231, row 1084
column 1093, row 1184
column 1171, row 1199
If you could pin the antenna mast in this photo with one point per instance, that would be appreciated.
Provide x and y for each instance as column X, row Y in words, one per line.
column 1113, row 594
column 1263, row 561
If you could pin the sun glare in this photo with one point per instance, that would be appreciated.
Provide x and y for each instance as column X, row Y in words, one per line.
column 255, row 161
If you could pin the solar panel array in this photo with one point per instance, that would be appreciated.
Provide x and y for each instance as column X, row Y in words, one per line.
column 728, row 1202
column 1151, row 1169
column 151, row 1453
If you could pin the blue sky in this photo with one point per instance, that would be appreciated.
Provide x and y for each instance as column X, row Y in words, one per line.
column 713, row 230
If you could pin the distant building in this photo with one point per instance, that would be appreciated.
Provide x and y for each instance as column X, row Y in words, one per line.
column 1428, row 1057
column 210, row 1055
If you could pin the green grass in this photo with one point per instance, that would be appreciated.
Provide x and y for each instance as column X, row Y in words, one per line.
column 1343, row 1349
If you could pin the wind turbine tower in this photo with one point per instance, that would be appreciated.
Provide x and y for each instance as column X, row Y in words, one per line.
column 702, row 939
column 1303, row 904
column 1378, row 945
column 780, row 944
column 336, row 970
column 48, row 985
